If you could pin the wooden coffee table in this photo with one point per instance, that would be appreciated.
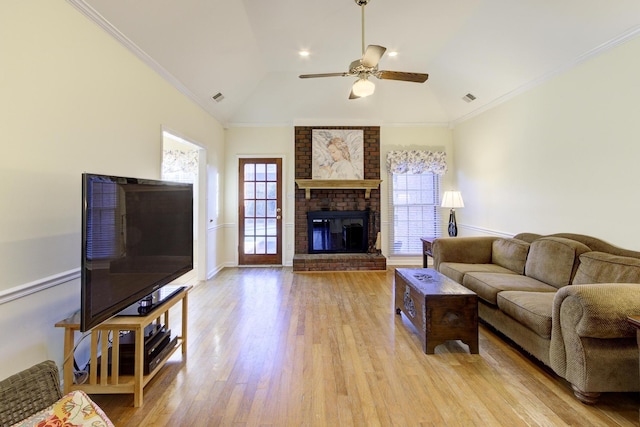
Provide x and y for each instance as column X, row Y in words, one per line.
column 438, row 307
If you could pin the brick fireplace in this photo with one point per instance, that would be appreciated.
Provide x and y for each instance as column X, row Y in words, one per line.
column 340, row 200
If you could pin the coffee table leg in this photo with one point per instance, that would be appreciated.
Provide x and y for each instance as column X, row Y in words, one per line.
column 473, row 346
column 429, row 347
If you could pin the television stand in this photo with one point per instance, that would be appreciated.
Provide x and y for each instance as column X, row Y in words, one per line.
column 106, row 379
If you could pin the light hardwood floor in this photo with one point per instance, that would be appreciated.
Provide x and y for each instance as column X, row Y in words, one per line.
column 269, row 347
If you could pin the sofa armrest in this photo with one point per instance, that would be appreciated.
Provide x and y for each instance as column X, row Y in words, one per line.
column 470, row 250
column 597, row 310
column 592, row 343
column 28, row 392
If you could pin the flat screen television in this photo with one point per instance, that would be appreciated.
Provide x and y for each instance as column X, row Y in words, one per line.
column 137, row 236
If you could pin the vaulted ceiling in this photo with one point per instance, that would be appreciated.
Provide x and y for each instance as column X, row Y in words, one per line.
column 248, row 51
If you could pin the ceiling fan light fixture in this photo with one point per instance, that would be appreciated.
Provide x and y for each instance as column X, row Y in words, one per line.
column 363, row 87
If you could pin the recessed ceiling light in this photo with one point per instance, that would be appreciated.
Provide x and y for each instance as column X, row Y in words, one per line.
column 303, row 53
column 393, row 53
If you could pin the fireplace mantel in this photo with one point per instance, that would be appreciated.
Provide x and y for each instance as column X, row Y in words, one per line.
column 354, row 184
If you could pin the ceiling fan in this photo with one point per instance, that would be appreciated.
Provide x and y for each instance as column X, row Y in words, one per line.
column 368, row 66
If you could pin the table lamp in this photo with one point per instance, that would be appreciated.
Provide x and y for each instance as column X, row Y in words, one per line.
column 452, row 200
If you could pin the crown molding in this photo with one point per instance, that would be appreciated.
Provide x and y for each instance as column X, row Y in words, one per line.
column 592, row 53
column 103, row 23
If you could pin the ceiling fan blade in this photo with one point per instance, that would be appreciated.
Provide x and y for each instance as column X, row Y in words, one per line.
column 372, row 55
column 403, row 76
column 311, row 76
column 353, row 95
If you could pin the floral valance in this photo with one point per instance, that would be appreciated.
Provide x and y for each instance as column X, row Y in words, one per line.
column 415, row 162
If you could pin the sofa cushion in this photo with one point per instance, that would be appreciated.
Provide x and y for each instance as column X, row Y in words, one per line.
column 600, row 267
column 457, row 270
column 488, row 285
column 554, row 260
column 510, row 253
column 73, row 409
column 532, row 309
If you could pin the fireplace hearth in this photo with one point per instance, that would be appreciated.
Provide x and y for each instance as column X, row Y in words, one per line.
column 338, row 231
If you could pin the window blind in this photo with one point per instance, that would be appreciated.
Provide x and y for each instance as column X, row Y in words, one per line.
column 414, row 206
column 104, row 222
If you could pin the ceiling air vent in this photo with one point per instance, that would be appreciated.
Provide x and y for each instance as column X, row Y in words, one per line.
column 218, row 97
column 468, row 97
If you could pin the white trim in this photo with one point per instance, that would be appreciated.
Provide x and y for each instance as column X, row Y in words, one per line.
column 486, row 231
column 403, row 261
column 258, row 125
column 604, row 47
column 178, row 136
column 102, row 22
column 96, row 17
column 215, row 271
column 27, row 289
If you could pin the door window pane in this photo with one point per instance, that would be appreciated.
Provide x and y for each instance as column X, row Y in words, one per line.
column 249, row 208
column 271, row 227
column 261, row 172
column 249, row 190
column 271, row 245
column 261, row 192
column 272, row 190
column 261, row 208
column 261, row 248
column 249, row 227
column 271, row 208
column 249, row 172
column 272, row 172
column 260, row 227
column 249, row 245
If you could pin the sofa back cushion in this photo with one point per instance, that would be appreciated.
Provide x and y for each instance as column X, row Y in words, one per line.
column 510, row 253
column 600, row 267
column 554, row 260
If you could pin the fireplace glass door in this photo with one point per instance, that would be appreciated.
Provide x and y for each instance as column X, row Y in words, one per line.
column 338, row 231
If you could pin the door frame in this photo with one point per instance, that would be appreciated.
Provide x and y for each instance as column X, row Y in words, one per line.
column 201, row 229
column 284, row 202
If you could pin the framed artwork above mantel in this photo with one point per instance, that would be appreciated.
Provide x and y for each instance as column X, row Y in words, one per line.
column 337, row 154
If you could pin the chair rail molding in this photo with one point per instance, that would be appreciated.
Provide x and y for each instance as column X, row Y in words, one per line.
column 27, row 289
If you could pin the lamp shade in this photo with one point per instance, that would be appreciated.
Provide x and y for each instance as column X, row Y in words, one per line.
column 452, row 199
column 363, row 87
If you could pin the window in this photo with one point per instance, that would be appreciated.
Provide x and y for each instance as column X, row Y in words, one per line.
column 105, row 226
column 414, row 201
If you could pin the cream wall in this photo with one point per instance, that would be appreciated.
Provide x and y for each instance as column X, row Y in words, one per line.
column 562, row 157
column 73, row 100
column 279, row 141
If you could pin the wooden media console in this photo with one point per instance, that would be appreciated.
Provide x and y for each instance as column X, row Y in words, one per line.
column 105, row 378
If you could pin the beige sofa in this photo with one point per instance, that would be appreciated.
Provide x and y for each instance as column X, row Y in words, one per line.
column 563, row 298
column 33, row 397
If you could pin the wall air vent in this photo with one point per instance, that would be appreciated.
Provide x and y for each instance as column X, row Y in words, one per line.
column 218, row 97
column 468, row 97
